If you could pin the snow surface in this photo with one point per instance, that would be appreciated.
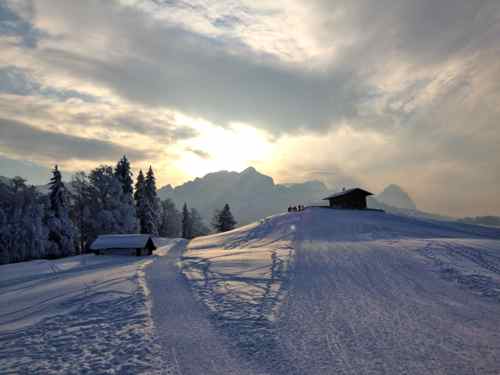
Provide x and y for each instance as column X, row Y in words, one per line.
column 81, row 314
column 315, row 292
column 354, row 292
column 190, row 343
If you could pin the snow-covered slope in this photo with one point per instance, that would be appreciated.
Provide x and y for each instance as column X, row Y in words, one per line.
column 354, row 292
column 81, row 314
column 315, row 292
column 244, row 267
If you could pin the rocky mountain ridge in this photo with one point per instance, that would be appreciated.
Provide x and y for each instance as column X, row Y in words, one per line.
column 253, row 195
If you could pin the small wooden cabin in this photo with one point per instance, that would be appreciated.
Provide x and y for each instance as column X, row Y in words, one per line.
column 349, row 199
column 124, row 244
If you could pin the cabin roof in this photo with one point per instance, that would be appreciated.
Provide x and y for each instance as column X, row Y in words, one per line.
column 348, row 192
column 121, row 241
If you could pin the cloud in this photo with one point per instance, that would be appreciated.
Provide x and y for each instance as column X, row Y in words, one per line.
column 12, row 24
column 162, row 130
column 415, row 82
column 130, row 126
column 25, row 141
column 223, row 81
column 200, row 153
column 424, row 31
column 17, row 81
column 167, row 66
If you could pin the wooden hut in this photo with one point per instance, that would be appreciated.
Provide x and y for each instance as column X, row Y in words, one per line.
column 124, row 244
column 350, row 199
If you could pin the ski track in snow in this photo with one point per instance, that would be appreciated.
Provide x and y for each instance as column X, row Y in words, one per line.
column 366, row 293
column 77, row 315
column 189, row 342
column 242, row 279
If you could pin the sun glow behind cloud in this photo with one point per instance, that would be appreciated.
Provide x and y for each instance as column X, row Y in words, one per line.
column 233, row 148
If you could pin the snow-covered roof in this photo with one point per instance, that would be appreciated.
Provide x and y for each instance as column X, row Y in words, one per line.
column 348, row 191
column 121, row 241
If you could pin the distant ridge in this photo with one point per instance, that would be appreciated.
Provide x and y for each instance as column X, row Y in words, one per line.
column 394, row 195
column 251, row 194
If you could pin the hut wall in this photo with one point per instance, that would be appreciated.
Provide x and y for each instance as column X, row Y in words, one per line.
column 117, row 251
column 349, row 201
column 134, row 252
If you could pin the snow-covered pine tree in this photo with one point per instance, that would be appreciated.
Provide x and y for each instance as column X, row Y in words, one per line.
column 4, row 251
column 198, row 227
column 23, row 235
column 140, row 200
column 170, row 220
column 215, row 223
column 223, row 220
column 81, row 201
column 152, row 208
column 124, row 174
column 62, row 233
column 38, row 231
column 110, row 211
column 187, row 225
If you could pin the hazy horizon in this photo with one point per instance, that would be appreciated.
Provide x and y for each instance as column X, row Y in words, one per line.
column 346, row 92
column 338, row 187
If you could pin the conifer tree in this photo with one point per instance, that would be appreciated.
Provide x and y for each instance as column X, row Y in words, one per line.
column 170, row 220
column 141, row 201
column 152, row 207
column 223, row 221
column 61, row 229
column 81, row 200
column 150, row 183
column 124, row 174
column 57, row 193
column 139, row 187
column 110, row 211
column 187, row 225
column 198, row 227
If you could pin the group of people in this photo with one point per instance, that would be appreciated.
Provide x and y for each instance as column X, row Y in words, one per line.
column 296, row 208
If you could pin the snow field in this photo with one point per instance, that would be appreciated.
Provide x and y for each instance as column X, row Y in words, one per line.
column 190, row 344
column 314, row 292
column 83, row 314
column 240, row 277
column 362, row 292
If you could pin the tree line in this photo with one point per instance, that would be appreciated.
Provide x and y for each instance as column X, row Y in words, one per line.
column 67, row 219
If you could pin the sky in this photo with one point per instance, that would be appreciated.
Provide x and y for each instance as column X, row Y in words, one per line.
column 349, row 92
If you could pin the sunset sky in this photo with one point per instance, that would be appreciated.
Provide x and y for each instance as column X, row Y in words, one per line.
column 349, row 92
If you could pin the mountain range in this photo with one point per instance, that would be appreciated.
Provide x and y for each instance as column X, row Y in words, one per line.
column 250, row 194
column 253, row 195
